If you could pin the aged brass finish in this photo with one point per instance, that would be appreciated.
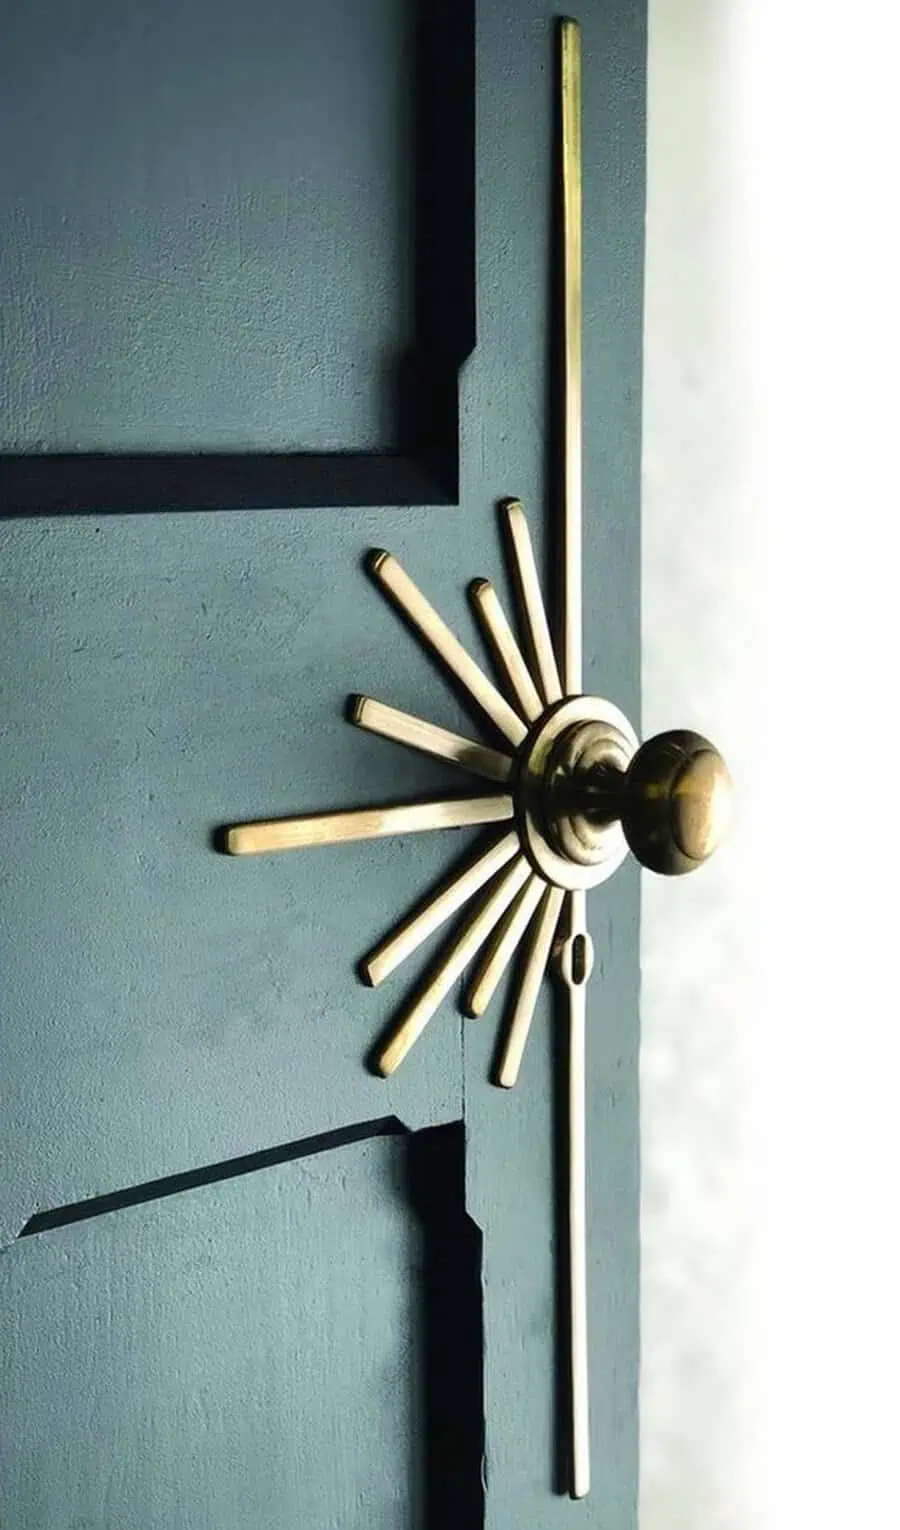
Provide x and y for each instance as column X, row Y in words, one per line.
column 501, row 948
column 365, row 823
column 571, row 776
column 542, row 808
column 505, row 648
column 411, row 932
column 536, row 959
column 403, row 728
column 422, row 615
column 417, row 1014
column 531, row 601
column 570, row 132
column 676, row 802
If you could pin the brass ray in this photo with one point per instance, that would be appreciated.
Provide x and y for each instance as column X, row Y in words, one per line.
column 404, row 728
column 393, row 578
column 501, row 948
column 365, row 823
column 454, row 960
column 536, row 959
column 504, row 647
column 410, row 933
column 532, row 611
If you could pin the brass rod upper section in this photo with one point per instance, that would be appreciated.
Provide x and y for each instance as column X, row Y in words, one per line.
column 535, row 966
column 407, row 595
column 504, row 647
column 409, row 934
column 570, row 64
column 531, row 602
column 365, row 823
column 404, row 728
column 417, row 1015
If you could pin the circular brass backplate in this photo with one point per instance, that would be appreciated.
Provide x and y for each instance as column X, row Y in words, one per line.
column 541, row 839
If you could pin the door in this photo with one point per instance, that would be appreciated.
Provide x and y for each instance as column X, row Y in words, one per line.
column 278, row 277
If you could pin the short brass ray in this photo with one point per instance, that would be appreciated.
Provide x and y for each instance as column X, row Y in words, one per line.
column 535, row 965
column 404, row 728
column 365, row 823
column 411, row 932
column 456, row 958
column 532, row 610
column 501, row 948
column 394, row 579
column 505, row 648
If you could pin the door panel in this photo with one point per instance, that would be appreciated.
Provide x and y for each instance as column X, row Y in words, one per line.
column 166, row 1008
column 245, row 1354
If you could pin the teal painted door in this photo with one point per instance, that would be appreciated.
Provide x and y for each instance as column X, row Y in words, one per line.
column 220, row 1270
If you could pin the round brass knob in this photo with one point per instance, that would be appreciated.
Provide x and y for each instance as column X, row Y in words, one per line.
column 675, row 802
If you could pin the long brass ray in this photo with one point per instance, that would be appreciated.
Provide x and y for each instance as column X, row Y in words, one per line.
column 411, row 932
column 501, row 948
column 504, row 647
column 571, row 648
column 531, row 601
column 536, row 961
column 394, row 579
column 365, row 823
column 418, row 1013
column 404, row 728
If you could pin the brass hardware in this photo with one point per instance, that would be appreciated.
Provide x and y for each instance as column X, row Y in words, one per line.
column 422, row 615
column 411, row 932
column 531, row 602
column 416, row 1016
column 501, row 948
column 579, row 787
column 505, row 648
column 365, row 823
column 536, row 959
column 403, row 728
column 676, row 802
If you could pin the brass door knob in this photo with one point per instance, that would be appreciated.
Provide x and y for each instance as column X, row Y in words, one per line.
column 676, row 802
column 590, row 791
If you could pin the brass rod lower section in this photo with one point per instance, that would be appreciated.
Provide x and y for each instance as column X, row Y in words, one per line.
column 531, row 602
column 505, row 648
column 365, row 823
column 417, row 1015
column 571, row 172
column 435, row 632
column 409, row 934
column 501, row 948
column 404, row 728
column 526, row 999
column 576, row 961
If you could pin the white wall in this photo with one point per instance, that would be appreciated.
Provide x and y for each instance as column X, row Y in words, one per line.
column 771, row 1001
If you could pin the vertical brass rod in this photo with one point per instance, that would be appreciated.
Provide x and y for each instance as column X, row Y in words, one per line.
column 575, row 963
column 570, row 65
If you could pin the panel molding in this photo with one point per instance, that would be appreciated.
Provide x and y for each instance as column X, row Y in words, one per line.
column 424, row 470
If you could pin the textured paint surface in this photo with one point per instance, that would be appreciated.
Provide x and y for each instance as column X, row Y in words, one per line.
column 166, row 179
column 164, row 1007
column 163, row 1366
